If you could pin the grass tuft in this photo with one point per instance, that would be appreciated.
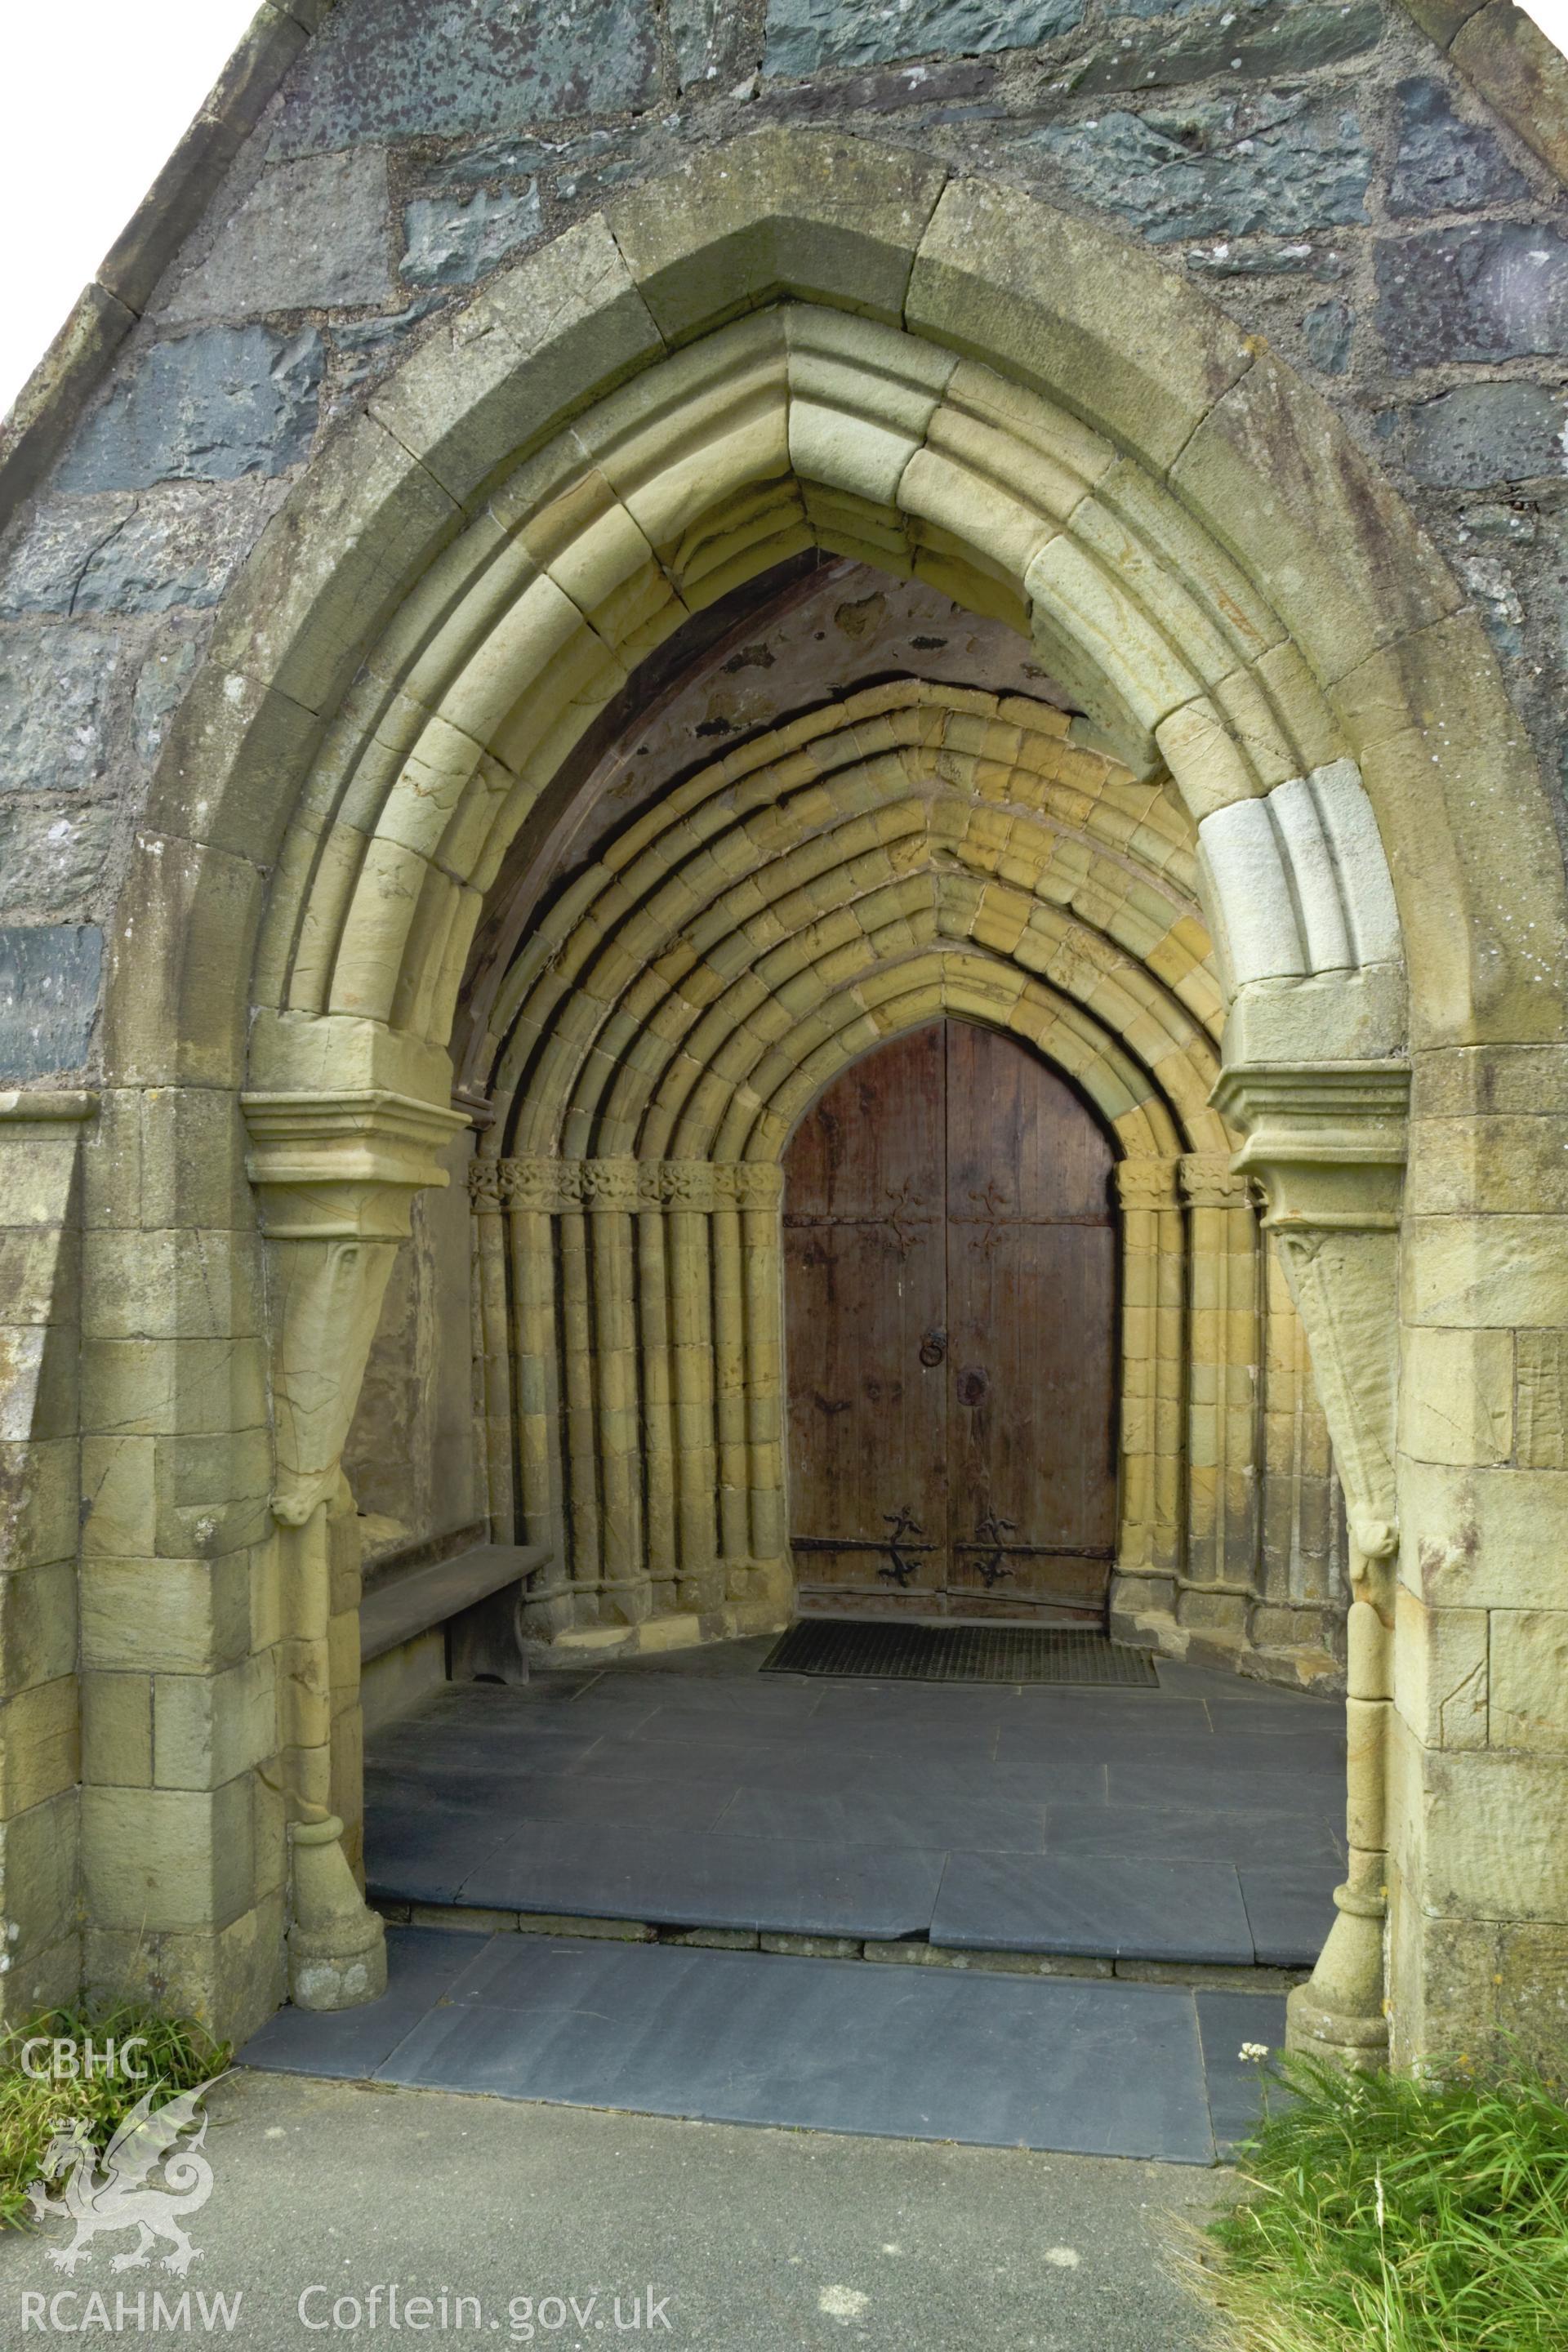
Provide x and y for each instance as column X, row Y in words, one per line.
column 1384, row 2214
column 178, row 2055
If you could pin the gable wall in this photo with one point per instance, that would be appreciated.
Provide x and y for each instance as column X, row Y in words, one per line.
column 1321, row 171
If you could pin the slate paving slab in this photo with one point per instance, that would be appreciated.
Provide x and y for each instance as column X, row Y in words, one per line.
column 1226, row 1784
column 1238, row 2086
column 705, row 1794
column 747, row 1695
column 692, row 1727
column 1188, row 1833
column 1120, row 1908
column 422, row 1965
column 557, row 1796
column 789, row 1885
column 424, row 1854
column 854, row 1818
column 1091, row 2068
column 1289, row 1908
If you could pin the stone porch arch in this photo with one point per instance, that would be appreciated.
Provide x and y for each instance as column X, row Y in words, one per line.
column 797, row 340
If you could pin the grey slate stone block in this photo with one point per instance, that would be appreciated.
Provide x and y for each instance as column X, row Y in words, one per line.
column 311, row 235
column 1189, row 1833
column 710, row 42
column 48, row 995
column 520, row 158
column 1442, row 164
column 1485, row 433
column 538, row 1795
column 422, row 1964
column 886, row 1818
column 160, row 689
column 365, row 343
column 1221, row 166
column 1326, row 330
column 1277, row 36
column 145, row 550
column 392, row 69
column 49, row 858
column 56, row 685
column 208, row 406
column 804, row 35
column 452, row 240
column 1492, row 291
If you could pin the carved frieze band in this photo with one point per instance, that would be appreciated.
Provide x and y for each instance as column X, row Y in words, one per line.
column 553, row 1186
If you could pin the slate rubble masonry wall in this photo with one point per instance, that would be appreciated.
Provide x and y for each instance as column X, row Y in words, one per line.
column 1333, row 184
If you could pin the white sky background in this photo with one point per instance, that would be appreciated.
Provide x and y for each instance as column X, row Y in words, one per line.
column 97, row 93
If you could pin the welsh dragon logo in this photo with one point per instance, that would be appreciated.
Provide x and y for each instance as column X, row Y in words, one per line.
column 122, row 2190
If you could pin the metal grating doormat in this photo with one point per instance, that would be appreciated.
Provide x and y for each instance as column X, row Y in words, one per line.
column 890, row 1652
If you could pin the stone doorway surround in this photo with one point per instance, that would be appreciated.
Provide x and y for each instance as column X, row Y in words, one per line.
column 911, row 849
column 794, row 340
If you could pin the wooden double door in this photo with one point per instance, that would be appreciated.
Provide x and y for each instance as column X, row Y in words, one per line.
column 950, row 1255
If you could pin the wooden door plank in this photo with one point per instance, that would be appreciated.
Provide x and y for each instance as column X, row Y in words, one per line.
column 1032, row 1303
column 865, row 1262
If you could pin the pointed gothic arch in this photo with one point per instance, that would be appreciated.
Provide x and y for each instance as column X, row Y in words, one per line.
column 798, row 341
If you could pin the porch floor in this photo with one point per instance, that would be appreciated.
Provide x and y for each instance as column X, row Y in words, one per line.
column 1198, row 1822
column 1105, row 1832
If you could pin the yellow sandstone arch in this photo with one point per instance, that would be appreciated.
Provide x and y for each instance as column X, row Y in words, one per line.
column 912, row 851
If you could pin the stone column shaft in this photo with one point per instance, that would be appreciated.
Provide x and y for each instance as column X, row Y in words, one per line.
column 618, row 1421
column 335, row 1176
column 764, row 1380
column 493, row 1356
column 536, row 1384
column 691, row 1336
column 1149, row 1548
column 1328, row 1143
column 577, row 1395
column 659, row 1408
column 1223, row 1393
column 730, row 1384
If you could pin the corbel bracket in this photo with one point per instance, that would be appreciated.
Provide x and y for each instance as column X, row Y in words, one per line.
column 335, row 1177
column 1326, row 1144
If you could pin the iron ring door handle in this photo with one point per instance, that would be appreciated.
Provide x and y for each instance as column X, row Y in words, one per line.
column 933, row 1350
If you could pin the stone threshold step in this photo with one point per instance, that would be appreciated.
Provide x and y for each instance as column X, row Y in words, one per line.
column 909, row 1951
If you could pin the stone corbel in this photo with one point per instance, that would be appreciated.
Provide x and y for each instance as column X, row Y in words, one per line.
column 335, row 1176
column 1327, row 1144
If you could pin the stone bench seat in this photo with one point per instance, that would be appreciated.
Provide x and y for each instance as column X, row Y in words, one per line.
column 457, row 1620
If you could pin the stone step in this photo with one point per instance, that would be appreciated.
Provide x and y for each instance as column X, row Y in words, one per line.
column 905, row 1951
column 804, row 2043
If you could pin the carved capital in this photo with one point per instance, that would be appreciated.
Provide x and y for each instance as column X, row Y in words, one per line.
column 1326, row 1139
column 1327, row 1142
column 335, row 1176
column 1146, row 1183
column 557, row 1186
column 1209, row 1180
